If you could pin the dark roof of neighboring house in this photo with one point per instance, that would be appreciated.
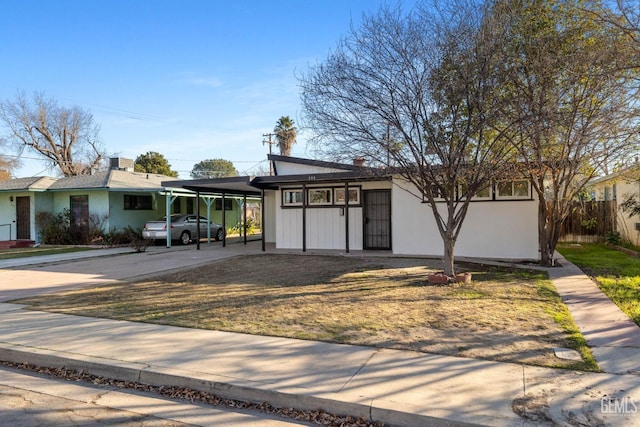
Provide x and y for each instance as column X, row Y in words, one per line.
column 33, row 183
column 111, row 179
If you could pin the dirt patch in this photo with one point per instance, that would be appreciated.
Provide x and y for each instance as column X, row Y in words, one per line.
column 504, row 315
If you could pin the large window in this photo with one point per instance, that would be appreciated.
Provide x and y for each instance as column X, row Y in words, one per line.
column 138, row 202
column 516, row 189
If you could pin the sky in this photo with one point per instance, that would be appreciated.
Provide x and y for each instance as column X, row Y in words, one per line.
column 190, row 79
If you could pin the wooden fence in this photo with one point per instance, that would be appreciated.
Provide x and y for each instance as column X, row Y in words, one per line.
column 590, row 221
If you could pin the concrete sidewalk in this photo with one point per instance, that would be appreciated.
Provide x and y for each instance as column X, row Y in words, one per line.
column 614, row 339
column 396, row 387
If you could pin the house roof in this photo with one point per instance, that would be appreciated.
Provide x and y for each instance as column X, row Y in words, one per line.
column 111, row 179
column 247, row 185
column 635, row 168
column 34, row 183
column 311, row 162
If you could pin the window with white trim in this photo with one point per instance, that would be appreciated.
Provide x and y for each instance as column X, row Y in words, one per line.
column 354, row 196
column 516, row 189
column 319, row 196
column 292, row 197
column 482, row 194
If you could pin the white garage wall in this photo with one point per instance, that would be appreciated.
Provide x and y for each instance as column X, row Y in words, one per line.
column 491, row 229
column 325, row 228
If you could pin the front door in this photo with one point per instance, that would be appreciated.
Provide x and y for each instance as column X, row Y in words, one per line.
column 377, row 219
column 23, row 218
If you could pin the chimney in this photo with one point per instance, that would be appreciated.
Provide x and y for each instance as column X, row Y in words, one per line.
column 358, row 161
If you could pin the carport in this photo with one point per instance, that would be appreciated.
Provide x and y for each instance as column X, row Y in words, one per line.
column 229, row 187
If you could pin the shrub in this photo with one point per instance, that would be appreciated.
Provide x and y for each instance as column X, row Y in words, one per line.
column 613, row 238
column 55, row 229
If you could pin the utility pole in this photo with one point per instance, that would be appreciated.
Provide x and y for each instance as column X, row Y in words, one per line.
column 270, row 142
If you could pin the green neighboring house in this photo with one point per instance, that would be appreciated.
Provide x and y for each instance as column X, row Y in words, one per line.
column 115, row 199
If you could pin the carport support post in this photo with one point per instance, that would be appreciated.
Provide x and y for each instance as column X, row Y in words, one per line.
column 198, row 220
column 169, row 202
column 244, row 220
column 346, row 215
column 262, row 218
column 304, row 218
column 224, row 222
column 209, row 201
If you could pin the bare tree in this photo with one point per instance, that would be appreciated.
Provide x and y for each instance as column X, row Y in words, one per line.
column 7, row 162
column 416, row 90
column 570, row 109
column 66, row 138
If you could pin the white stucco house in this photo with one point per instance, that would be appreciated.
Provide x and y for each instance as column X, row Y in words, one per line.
column 620, row 186
column 311, row 204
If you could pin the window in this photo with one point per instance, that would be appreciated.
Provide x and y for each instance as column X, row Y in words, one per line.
column 319, row 196
column 291, row 197
column 354, row 196
column 228, row 204
column 189, row 206
column 482, row 194
column 138, row 202
column 176, row 206
column 517, row 189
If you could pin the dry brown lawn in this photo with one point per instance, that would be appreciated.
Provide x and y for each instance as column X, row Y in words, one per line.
column 504, row 315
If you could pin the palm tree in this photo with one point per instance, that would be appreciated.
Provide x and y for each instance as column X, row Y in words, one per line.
column 285, row 134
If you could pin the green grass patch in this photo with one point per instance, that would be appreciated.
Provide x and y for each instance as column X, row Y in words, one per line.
column 616, row 273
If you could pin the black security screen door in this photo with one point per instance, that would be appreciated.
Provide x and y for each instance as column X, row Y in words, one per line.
column 377, row 219
column 23, row 218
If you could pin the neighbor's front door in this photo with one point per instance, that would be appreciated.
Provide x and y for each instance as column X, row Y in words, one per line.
column 377, row 219
column 23, row 218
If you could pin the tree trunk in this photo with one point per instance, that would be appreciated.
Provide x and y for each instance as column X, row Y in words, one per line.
column 448, row 258
column 544, row 235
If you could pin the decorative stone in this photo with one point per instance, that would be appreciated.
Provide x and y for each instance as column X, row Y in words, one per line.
column 438, row 278
column 463, row 277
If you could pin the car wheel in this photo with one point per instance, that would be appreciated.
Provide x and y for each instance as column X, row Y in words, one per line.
column 220, row 234
column 185, row 238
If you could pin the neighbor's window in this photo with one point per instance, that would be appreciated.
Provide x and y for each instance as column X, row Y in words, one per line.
column 319, row 196
column 138, row 202
column 291, row 197
column 517, row 189
column 228, row 204
column 354, row 196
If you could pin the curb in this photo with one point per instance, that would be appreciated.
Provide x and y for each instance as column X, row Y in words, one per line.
column 164, row 376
